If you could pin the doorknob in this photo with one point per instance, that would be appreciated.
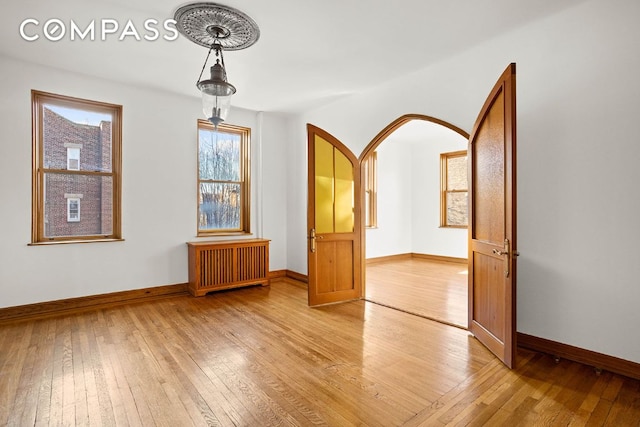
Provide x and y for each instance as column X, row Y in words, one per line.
column 312, row 240
column 508, row 253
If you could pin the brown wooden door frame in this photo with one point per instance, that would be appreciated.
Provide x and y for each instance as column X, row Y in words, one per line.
column 492, row 221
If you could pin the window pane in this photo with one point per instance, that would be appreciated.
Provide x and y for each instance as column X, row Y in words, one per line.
column 87, row 132
column 96, row 195
column 73, row 210
column 344, row 197
column 219, row 155
column 367, row 210
column 223, row 178
column 73, row 159
column 219, row 206
column 457, row 209
column 457, row 173
column 370, row 201
column 334, row 191
column 324, row 214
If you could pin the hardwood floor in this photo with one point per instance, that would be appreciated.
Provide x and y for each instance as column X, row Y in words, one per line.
column 259, row 356
column 433, row 289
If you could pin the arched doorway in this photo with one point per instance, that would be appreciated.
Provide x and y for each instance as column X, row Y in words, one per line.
column 412, row 262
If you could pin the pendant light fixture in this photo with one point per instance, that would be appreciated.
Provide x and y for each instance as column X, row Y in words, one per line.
column 219, row 28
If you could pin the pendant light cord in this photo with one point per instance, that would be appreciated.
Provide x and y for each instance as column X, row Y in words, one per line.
column 205, row 62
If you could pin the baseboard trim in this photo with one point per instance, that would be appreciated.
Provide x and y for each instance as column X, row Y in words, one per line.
column 576, row 354
column 277, row 274
column 92, row 302
column 297, row 276
column 401, row 257
column 440, row 258
column 282, row 274
column 396, row 257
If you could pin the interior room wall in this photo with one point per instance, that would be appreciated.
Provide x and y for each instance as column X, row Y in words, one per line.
column 296, row 185
column 158, row 196
column 395, row 201
column 427, row 236
column 269, row 183
column 409, row 194
column 578, row 104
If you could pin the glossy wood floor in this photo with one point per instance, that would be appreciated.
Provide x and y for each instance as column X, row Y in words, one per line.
column 260, row 357
column 432, row 289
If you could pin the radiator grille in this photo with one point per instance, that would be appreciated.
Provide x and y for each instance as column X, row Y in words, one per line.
column 251, row 263
column 216, row 266
column 227, row 264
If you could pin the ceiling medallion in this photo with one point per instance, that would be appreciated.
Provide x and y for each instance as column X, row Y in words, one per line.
column 206, row 23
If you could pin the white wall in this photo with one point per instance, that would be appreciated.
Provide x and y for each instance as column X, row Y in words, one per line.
column 270, row 202
column 395, row 201
column 297, row 196
column 158, row 197
column 578, row 155
column 409, row 193
column 428, row 237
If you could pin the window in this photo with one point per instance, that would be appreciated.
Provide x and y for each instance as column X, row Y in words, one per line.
column 223, row 179
column 454, row 189
column 73, row 209
column 73, row 158
column 63, row 129
column 370, row 165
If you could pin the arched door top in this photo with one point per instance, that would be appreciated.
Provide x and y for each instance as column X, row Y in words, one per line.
column 389, row 129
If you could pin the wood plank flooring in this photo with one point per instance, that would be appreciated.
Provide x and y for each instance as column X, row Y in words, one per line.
column 433, row 289
column 259, row 357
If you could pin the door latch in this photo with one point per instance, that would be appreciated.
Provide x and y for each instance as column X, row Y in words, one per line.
column 506, row 251
column 312, row 240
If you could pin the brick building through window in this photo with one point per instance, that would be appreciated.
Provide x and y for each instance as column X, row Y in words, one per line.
column 71, row 146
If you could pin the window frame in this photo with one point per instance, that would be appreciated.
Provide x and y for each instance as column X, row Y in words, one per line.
column 444, row 187
column 370, row 174
column 38, row 101
column 245, row 178
column 71, row 200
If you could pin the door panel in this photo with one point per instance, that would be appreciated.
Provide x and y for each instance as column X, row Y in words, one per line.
column 488, row 270
column 333, row 218
column 492, row 221
column 336, row 258
column 488, row 178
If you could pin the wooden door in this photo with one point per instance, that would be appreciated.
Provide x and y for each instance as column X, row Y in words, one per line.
column 333, row 218
column 492, row 221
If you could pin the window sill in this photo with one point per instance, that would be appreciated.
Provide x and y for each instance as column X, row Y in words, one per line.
column 224, row 233
column 66, row 242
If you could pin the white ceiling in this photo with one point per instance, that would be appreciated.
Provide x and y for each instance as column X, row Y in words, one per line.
column 309, row 52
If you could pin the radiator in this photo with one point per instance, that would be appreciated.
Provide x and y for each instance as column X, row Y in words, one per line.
column 227, row 264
